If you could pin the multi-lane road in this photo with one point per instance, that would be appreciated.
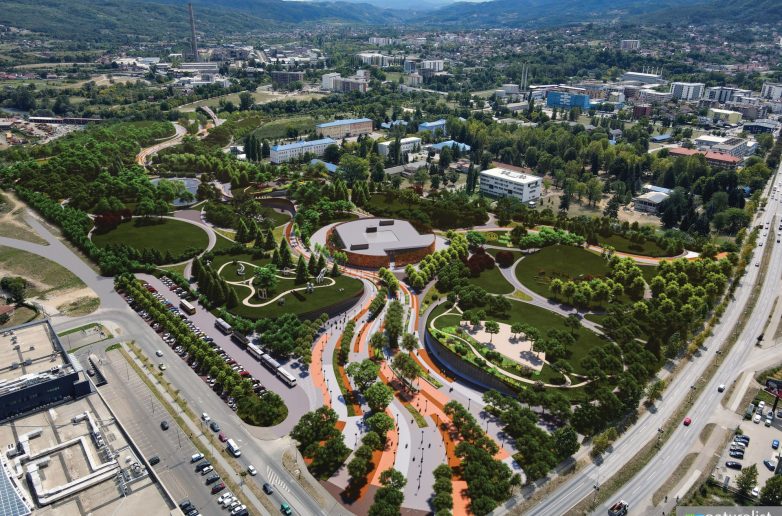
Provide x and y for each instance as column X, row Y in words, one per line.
column 656, row 472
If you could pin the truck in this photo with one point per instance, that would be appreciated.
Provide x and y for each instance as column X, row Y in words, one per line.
column 618, row 509
column 233, row 448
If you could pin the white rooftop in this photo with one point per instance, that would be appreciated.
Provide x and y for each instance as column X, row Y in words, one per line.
column 510, row 175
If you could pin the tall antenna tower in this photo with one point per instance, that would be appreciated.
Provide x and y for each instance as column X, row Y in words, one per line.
column 193, row 44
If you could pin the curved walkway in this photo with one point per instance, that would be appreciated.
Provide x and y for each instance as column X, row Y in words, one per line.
column 179, row 133
column 249, row 284
column 505, row 372
column 509, row 273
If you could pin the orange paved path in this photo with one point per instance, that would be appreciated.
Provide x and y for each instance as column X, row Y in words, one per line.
column 389, row 454
column 316, row 369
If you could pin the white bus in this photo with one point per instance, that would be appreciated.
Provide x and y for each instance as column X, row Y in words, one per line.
column 286, row 377
column 254, row 351
column 223, row 326
column 269, row 362
column 233, row 448
column 187, row 307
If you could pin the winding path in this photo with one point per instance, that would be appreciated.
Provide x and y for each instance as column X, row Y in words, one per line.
column 179, row 133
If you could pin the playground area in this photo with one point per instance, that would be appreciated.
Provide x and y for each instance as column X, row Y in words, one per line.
column 512, row 346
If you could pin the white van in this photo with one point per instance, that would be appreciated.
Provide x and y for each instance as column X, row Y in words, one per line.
column 196, row 457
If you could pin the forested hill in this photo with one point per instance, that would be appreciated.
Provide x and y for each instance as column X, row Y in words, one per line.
column 537, row 13
column 120, row 20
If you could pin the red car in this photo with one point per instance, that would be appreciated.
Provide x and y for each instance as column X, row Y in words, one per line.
column 217, row 488
column 222, row 437
column 687, row 421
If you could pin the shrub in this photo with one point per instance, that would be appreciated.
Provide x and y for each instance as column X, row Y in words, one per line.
column 504, row 259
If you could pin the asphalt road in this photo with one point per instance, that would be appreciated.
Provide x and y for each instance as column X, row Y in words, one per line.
column 570, row 493
column 639, row 490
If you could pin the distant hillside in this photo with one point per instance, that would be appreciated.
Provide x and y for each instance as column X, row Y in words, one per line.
column 121, row 20
column 537, row 13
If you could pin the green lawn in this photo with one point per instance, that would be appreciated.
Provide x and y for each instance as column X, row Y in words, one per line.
column 275, row 216
column 172, row 235
column 543, row 320
column 300, row 302
column 648, row 272
column 279, row 128
column 492, row 282
column 624, row 245
column 46, row 277
column 564, row 262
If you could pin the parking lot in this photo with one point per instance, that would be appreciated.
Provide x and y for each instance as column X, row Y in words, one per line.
column 758, row 450
column 141, row 414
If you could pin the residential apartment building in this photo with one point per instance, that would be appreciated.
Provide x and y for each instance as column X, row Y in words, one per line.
column 285, row 78
column 383, row 42
column 771, row 91
column 500, row 182
column 348, row 84
column 723, row 94
column 630, row 44
column 376, row 59
column 290, row 151
column 327, row 81
column 345, row 128
column 436, row 65
column 687, row 90
column 406, row 145
column 641, row 110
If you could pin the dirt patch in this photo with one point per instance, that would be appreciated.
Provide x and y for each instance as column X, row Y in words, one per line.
column 293, row 467
column 673, row 480
column 706, row 432
column 84, row 305
column 12, row 224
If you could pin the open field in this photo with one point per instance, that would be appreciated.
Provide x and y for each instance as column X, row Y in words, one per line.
column 50, row 284
column 564, row 262
column 492, row 281
column 172, row 235
column 624, row 245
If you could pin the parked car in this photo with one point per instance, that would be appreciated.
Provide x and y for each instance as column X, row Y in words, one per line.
column 154, row 460
column 218, row 487
column 770, row 464
column 775, row 444
column 214, row 426
column 756, row 419
column 251, row 470
column 222, row 437
column 211, row 479
column 206, row 470
column 737, row 454
column 733, row 465
column 721, row 388
column 200, row 467
column 196, row 457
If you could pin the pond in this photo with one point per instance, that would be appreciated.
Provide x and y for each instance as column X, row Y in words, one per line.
column 190, row 183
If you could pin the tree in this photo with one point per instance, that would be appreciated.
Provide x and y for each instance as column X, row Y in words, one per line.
column 301, row 271
column 380, row 423
column 354, row 168
column 406, row 367
column 492, row 328
column 655, row 390
column 771, row 494
column 565, row 442
column 378, row 341
column 363, row 373
column 574, row 323
column 409, row 342
column 329, row 457
column 516, row 328
column 245, row 101
column 16, row 286
column 747, row 479
column 378, row 396
column 266, row 279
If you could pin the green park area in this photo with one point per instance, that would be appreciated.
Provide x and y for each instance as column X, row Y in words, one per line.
column 568, row 263
column 287, row 296
column 492, row 281
column 172, row 236
column 623, row 244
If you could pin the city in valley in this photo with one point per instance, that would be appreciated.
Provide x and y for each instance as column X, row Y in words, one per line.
column 384, row 258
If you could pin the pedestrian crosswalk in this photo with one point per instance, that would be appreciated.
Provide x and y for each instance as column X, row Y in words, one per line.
column 275, row 480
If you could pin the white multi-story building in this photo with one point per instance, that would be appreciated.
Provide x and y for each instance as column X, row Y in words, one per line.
column 283, row 153
column 382, row 42
column 771, row 91
column 436, row 65
column 723, row 94
column 500, row 182
column 687, row 90
column 630, row 44
column 406, row 145
column 327, row 81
